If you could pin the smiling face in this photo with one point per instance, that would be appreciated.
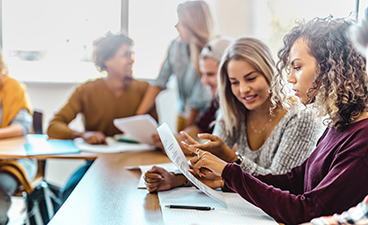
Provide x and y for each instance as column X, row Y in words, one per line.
column 303, row 70
column 121, row 64
column 248, row 85
column 209, row 68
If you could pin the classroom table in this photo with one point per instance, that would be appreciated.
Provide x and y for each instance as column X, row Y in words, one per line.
column 14, row 148
column 108, row 193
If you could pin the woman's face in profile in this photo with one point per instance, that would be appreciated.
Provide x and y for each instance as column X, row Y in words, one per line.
column 303, row 70
column 184, row 33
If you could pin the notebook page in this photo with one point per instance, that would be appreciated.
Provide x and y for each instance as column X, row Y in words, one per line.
column 238, row 210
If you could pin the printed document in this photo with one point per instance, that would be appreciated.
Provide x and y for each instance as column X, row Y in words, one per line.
column 176, row 155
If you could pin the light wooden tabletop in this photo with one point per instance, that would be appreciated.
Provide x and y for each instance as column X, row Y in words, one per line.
column 14, row 148
column 108, row 193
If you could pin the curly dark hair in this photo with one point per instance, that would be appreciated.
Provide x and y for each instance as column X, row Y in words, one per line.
column 341, row 81
column 107, row 46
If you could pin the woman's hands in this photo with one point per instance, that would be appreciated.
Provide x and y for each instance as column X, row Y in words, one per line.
column 214, row 145
column 205, row 164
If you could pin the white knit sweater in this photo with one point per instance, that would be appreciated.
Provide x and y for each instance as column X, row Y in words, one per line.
column 290, row 143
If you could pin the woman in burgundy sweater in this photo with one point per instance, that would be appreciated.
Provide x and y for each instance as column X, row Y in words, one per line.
column 328, row 74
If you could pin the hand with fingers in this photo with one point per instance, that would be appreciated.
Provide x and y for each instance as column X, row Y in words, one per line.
column 215, row 145
column 159, row 179
column 94, row 137
column 205, row 164
column 210, row 180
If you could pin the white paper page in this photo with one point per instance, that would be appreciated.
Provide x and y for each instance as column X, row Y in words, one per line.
column 111, row 147
column 176, row 155
column 238, row 210
column 140, row 128
column 167, row 166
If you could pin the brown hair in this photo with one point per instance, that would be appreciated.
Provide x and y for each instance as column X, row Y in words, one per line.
column 341, row 81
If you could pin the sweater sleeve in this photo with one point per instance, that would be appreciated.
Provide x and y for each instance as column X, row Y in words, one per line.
column 58, row 126
column 331, row 195
column 220, row 131
column 24, row 119
column 298, row 139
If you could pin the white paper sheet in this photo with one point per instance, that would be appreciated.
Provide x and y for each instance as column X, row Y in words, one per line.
column 140, row 128
column 176, row 155
column 238, row 210
column 167, row 166
column 111, row 147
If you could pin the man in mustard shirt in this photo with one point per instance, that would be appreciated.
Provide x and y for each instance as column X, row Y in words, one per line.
column 102, row 100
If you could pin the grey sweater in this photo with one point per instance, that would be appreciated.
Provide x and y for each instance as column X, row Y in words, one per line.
column 290, row 143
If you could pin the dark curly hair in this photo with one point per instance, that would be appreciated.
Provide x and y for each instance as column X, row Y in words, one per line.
column 107, row 46
column 341, row 81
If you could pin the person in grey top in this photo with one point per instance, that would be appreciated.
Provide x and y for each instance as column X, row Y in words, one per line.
column 257, row 129
column 195, row 27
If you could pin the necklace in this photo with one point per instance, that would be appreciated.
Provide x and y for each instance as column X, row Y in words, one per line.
column 263, row 129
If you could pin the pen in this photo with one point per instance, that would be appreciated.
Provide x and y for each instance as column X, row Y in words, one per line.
column 189, row 207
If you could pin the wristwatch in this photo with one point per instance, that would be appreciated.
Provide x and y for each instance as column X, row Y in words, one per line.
column 239, row 158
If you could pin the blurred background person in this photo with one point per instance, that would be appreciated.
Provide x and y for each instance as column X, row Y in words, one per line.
column 100, row 101
column 195, row 27
column 16, row 121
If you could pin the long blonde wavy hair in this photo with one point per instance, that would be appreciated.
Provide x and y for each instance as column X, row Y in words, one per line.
column 197, row 18
column 256, row 53
column 341, row 81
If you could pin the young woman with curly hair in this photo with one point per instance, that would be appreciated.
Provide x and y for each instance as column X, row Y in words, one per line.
column 327, row 73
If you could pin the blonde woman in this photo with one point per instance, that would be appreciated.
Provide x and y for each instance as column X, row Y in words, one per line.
column 326, row 72
column 16, row 121
column 256, row 130
column 195, row 29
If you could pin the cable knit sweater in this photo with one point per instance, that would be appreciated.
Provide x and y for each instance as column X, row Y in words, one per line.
column 290, row 143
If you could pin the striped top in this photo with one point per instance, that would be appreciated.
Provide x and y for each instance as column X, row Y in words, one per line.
column 290, row 143
column 355, row 215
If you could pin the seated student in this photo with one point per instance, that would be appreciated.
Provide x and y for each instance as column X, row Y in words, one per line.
column 209, row 60
column 329, row 74
column 357, row 214
column 256, row 130
column 102, row 100
column 15, row 120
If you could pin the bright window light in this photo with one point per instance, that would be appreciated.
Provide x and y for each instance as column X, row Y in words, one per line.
column 52, row 41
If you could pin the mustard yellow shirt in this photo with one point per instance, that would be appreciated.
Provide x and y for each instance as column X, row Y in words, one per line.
column 99, row 107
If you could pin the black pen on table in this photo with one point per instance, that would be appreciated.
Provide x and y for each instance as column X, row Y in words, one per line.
column 205, row 208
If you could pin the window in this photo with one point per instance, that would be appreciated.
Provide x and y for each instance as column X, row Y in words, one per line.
column 52, row 41
column 274, row 18
column 152, row 27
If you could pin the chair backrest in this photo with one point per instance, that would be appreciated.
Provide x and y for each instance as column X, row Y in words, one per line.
column 37, row 122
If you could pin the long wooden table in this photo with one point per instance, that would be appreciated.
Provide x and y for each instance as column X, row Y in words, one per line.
column 108, row 193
